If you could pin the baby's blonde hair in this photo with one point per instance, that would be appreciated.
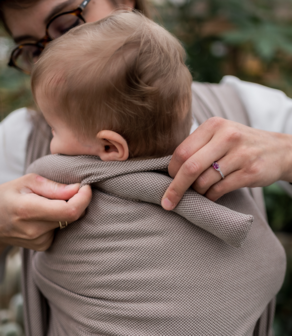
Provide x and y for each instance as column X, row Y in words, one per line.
column 124, row 73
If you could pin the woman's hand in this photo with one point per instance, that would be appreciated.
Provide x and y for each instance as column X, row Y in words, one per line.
column 31, row 208
column 247, row 157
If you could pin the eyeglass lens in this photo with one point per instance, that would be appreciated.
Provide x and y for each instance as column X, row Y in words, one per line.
column 62, row 24
column 25, row 56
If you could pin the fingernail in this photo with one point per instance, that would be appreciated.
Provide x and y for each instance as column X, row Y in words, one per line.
column 167, row 204
column 72, row 186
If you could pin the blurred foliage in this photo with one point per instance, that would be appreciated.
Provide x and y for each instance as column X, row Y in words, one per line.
column 251, row 39
column 14, row 91
column 279, row 209
column 279, row 212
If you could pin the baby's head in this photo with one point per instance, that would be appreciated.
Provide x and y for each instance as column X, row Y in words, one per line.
column 116, row 88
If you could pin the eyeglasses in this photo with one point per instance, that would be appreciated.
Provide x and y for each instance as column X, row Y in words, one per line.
column 25, row 55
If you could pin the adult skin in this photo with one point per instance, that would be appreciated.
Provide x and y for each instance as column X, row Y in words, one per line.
column 248, row 157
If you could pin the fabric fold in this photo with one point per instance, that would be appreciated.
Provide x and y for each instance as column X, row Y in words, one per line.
column 123, row 179
column 230, row 226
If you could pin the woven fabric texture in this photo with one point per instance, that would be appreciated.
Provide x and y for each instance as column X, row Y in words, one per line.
column 209, row 100
column 131, row 268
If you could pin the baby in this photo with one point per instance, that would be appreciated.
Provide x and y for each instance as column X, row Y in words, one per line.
column 118, row 90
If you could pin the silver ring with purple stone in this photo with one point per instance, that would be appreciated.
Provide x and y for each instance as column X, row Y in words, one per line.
column 216, row 166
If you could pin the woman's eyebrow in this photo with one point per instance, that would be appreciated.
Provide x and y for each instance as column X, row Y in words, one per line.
column 57, row 9
column 22, row 38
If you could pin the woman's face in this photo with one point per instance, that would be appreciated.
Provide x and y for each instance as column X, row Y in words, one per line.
column 29, row 25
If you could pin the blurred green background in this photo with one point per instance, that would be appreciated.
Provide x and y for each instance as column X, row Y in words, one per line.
column 250, row 39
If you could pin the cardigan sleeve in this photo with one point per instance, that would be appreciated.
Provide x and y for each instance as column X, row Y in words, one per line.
column 14, row 133
column 268, row 109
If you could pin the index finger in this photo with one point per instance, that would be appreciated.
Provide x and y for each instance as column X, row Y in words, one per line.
column 190, row 171
column 44, row 209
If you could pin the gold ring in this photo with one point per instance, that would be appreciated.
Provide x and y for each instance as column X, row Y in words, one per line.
column 63, row 225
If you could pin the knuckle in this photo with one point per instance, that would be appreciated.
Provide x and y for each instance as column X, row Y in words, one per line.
column 31, row 233
column 233, row 136
column 215, row 122
column 201, row 182
column 252, row 170
column 191, row 167
column 72, row 214
column 217, row 189
column 173, row 194
column 181, row 154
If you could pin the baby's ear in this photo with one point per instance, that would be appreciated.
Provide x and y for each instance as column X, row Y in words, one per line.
column 113, row 146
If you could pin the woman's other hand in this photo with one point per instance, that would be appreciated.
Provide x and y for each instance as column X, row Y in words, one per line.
column 31, row 208
column 247, row 157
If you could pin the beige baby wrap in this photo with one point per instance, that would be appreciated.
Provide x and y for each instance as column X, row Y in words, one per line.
column 130, row 268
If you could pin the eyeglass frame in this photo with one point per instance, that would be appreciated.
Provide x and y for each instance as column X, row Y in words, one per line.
column 41, row 44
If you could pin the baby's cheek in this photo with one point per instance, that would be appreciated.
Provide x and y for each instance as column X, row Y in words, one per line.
column 62, row 145
column 54, row 146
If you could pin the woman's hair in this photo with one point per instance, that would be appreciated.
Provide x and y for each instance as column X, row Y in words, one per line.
column 124, row 73
column 142, row 6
